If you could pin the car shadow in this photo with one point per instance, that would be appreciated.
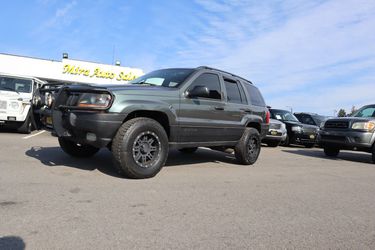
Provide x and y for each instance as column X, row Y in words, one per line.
column 360, row 157
column 202, row 155
column 12, row 242
column 55, row 157
column 102, row 161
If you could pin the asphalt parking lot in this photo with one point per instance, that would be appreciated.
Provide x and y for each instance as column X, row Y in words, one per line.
column 293, row 198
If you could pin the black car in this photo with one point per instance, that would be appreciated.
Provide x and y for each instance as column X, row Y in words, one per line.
column 311, row 118
column 297, row 132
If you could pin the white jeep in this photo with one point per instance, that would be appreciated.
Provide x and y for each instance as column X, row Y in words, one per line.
column 16, row 94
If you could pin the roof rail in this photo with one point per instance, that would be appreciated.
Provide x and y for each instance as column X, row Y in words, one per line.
column 206, row 67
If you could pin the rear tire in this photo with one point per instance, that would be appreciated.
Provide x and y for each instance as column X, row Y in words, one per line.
column 248, row 147
column 140, row 148
column 373, row 153
column 331, row 152
column 188, row 150
column 77, row 150
column 273, row 144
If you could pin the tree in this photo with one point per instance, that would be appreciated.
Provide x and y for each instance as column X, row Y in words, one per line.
column 353, row 110
column 341, row 113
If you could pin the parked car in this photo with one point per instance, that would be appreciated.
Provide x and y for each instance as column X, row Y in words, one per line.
column 351, row 133
column 276, row 133
column 182, row 108
column 297, row 132
column 16, row 93
column 311, row 118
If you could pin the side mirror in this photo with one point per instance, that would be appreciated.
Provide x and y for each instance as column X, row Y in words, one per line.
column 199, row 91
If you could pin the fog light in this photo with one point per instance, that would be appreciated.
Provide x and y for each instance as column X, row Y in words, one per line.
column 91, row 137
column 11, row 118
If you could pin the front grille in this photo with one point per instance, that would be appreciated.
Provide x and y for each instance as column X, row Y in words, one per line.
column 3, row 105
column 336, row 124
column 333, row 138
column 275, row 126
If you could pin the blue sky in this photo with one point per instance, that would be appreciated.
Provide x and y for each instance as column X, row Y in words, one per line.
column 315, row 56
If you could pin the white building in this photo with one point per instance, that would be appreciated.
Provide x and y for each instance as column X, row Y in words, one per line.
column 67, row 70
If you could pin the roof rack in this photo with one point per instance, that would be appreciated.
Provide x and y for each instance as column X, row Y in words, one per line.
column 206, row 67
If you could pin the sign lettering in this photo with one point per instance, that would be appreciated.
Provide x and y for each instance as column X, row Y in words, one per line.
column 99, row 73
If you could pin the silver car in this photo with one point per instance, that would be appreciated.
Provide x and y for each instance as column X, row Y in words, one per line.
column 276, row 133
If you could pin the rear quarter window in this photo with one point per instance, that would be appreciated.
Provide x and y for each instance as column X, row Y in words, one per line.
column 256, row 97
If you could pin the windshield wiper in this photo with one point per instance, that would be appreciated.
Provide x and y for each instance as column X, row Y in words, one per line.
column 145, row 83
column 10, row 89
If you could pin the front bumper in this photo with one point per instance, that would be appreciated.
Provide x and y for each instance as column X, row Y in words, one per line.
column 347, row 139
column 87, row 127
column 304, row 138
column 275, row 135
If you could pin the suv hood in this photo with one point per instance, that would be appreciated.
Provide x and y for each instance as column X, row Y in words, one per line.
column 352, row 119
column 141, row 90
column 12, row 95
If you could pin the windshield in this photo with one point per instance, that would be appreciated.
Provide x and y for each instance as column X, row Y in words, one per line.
column 165, row 77
column 283, row 115
column 15, row 84
column 366, row 111
column 319, row 119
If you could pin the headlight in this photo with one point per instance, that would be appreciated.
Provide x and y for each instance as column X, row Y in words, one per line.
column 297, row 129
column 94, row 100
column 36, row 100
column 363, row 126
column 49, row 99
column 14, row 105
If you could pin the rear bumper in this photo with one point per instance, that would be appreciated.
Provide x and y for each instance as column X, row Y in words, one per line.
column 347, row 139
column 264, row 130
column 92, row 128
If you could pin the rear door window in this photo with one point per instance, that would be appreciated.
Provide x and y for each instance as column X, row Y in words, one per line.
column 233, row 91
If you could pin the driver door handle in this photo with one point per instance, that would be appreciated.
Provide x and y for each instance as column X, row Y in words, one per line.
column 219, row 108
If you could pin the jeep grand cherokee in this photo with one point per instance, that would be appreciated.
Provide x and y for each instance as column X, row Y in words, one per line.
column 181, row 108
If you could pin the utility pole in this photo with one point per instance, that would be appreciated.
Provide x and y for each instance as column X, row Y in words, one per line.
column 291, row 108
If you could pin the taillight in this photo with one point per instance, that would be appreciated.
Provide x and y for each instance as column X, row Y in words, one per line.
column 268, row 115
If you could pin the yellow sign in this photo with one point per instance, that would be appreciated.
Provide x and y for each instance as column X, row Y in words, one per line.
column 99, row 73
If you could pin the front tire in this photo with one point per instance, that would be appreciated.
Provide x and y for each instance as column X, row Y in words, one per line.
column 273, row 144
column 140, row 148
column 286, row 142
column 331, row 152
column 247, row 149
column 373, row 153
column 77, row 150
column 27, row 126
column 309, row 145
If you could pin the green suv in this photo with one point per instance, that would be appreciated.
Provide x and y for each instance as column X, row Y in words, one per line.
column 180, row 108
column 351, row 133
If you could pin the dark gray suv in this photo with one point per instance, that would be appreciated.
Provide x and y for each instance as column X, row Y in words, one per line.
column 183, row 108
column 352, row 133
